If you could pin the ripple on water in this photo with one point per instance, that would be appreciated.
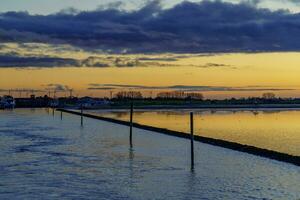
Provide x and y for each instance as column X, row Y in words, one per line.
column 47, row 158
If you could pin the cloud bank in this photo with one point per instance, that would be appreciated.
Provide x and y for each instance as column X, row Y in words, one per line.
column 36, row 55
column 194, row 88
column 8, row 61
column 57, row 87
column 207, row 26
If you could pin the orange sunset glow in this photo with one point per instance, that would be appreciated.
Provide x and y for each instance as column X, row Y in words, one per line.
column 277, row 71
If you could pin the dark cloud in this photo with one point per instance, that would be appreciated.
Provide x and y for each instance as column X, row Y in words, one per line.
column 23, row 62
column 208, row 26
column 120, row 86
column 15, row 60
column 21, row 90
column 215, row 65
column 57, row 87
column 157, row 59
column 252, row 2
column 94, row 86
column 52, row 87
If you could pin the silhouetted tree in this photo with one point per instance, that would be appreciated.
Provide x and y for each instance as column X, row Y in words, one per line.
column 194, row 95
column 180, row 95
column 129, row 95
column 268, row 95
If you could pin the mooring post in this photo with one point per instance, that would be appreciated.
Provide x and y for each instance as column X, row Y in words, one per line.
column 131, row 116
column 60, row 115
column 192, row 139
column 53, row 111
column 81, row 115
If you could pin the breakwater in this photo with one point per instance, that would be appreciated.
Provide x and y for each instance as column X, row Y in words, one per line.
column 217, row 142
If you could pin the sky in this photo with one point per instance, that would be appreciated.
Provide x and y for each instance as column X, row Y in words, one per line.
column 47, row 7
column 185, row 27
column 222, row 49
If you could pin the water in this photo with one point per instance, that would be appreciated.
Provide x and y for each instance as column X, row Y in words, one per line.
column 277, row 130
column 42, row 157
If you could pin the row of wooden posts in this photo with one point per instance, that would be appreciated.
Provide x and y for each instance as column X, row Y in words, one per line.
column 131, row 127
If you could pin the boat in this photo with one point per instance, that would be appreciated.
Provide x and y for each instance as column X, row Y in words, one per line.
column 7, row 102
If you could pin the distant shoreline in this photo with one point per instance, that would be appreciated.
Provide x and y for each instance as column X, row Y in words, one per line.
column 200, row 107
column 204, row 107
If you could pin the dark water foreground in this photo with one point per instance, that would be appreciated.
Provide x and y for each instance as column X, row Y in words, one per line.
column 42, row 157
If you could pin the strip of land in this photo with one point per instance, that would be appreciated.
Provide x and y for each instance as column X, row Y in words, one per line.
column 283, row 157
column 217, row 107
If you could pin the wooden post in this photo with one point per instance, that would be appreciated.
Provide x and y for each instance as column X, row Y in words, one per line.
column 192, row 139
column 53, row 111
column 81, row 115
column 131, row 116
column 61, row 115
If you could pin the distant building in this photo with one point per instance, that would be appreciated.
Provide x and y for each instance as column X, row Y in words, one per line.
column 54, row 103
column 7, row 102
column 89, row 102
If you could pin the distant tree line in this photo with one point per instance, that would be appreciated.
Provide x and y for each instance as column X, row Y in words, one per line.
column 180, row 95
column 129, row 95
column 268, row 95
column 162, row 95
column 163, row 98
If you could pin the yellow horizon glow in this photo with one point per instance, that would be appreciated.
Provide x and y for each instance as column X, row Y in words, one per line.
column 265, row 129
column 271, row 70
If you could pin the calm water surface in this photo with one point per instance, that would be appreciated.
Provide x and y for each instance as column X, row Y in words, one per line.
column 42, row 157
column 270, row 129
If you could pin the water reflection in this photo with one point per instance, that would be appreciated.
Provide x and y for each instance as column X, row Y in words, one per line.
column 42, row 157
column 131, row 154
column 271, row 129
column 191, row 183
column 131, row 164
